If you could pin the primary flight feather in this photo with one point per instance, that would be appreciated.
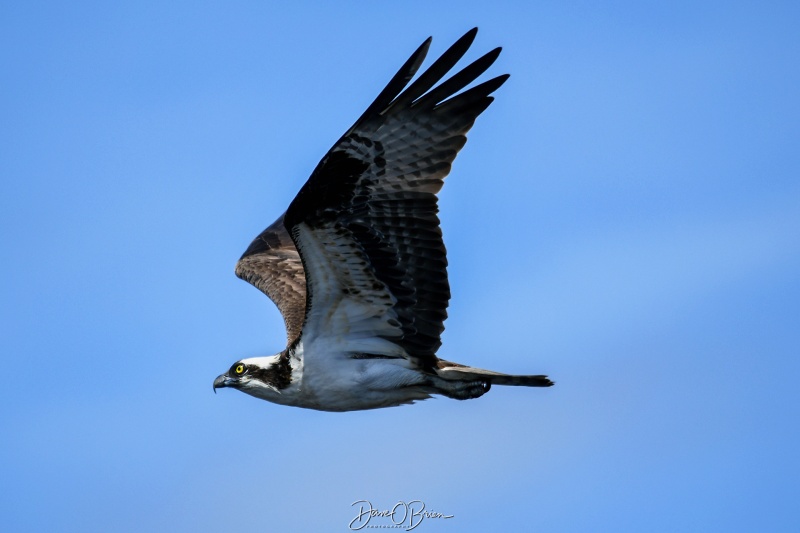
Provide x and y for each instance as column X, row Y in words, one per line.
column 356, row 264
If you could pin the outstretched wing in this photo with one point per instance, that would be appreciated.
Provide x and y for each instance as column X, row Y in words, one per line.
column 366, row 224
column 271, row 263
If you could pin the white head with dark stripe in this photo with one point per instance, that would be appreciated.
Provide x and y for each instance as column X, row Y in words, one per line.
column 263, row 377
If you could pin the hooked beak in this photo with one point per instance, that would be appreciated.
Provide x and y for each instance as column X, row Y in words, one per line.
column 221, row 382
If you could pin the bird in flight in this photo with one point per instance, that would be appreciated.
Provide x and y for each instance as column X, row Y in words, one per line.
column 356, row 264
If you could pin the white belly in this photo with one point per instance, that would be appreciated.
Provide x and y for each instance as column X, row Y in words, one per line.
column 332, row 380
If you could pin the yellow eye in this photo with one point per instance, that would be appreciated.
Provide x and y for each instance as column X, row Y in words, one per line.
column 239, row 369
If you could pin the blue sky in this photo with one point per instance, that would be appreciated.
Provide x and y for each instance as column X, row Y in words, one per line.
column 625, row 218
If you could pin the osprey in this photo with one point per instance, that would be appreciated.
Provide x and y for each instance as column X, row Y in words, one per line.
column 356, row 264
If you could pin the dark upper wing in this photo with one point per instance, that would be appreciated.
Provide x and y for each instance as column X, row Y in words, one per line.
column 272, row 264
column 366, row 224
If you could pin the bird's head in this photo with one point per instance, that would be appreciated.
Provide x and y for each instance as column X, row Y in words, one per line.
column 263, row 377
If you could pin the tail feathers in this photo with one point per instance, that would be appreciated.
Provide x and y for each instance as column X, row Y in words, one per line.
column 455, row 372
column 523, row 381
